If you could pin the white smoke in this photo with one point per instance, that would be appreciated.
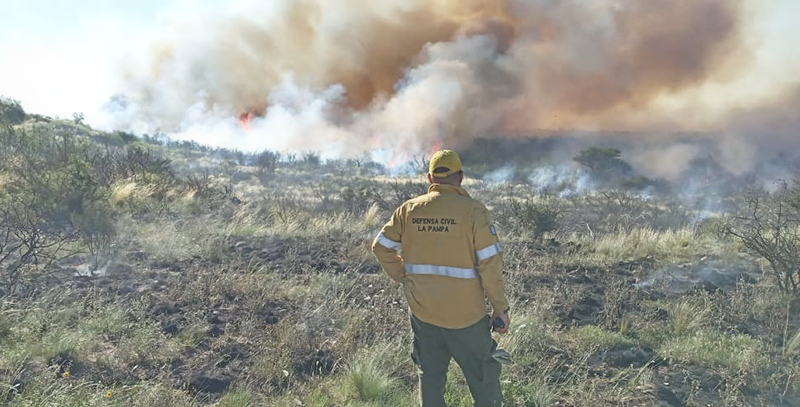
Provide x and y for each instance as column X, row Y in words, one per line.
column 566, row 181
column 396, row 79
column 500, row 175
column 561, row 180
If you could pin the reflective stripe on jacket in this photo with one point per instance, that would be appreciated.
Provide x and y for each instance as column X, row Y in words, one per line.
column 445, row 251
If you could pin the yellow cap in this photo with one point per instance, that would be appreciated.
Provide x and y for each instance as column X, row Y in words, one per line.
column 444, row 163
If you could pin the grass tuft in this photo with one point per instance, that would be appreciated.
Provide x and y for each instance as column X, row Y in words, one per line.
column 237, row 398
column 687, row 316
column 369, row 381
column 712, row 348
column 591, row 336
column 792, row 346
column 672, row 244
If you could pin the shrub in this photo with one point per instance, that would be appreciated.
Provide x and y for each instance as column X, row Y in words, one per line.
column 615, row 211
column 11, row 111
column 311, row 159
column 358, row 198
column 531, row 218
column 51, row 199
column 604, row 163
column 362, row 197
column 126, row 137
column 267, row 161
column 769, row 226
column 132, row 163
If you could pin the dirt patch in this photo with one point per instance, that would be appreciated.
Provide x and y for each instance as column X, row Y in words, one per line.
column 210, row 384
column 633, row 356
column 298, row 254
column 320, row 362
column 585, row 312
column 65, row 365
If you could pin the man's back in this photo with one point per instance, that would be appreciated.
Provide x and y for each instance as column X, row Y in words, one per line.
column 445, row 251
column 444, row 271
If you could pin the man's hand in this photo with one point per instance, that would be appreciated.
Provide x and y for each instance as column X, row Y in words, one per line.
column 503, row 315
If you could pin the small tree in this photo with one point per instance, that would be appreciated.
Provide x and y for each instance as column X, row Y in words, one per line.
column 534, row 219
column 50, row 202
column 11, row 111
column 267, row 161
column 311, row 159
column 769, row 226
column 604, row 163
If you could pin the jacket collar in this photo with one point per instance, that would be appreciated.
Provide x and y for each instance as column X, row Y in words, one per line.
column 447, row 189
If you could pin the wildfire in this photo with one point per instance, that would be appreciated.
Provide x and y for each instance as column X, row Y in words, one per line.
column 245, row 119
column 436, row 146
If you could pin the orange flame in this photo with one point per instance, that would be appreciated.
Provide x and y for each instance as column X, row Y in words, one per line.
column 436, row 146
column 245, row 120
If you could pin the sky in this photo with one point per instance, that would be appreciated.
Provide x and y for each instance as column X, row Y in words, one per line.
column 60, row 57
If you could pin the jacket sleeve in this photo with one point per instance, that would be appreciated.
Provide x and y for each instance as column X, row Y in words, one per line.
column 489, row 256
column 386, row 247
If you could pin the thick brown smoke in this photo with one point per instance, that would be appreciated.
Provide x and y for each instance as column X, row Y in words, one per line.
column 590, row 59
column 353, row 76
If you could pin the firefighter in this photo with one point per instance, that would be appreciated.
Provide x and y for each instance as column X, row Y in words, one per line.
column 444, row 249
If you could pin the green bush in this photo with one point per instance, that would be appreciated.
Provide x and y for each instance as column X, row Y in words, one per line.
column 768, row 225
column 133, row 163
column 531, row 218
column 49, row 202
column 267, row 161
column 604, row 163
column 11, row 111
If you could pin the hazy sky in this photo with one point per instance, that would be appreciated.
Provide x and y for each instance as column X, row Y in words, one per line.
column 59, row 57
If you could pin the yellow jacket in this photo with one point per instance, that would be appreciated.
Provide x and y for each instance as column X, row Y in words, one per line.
column 445, row 251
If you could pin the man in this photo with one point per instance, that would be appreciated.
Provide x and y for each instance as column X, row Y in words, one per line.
column 442, row 247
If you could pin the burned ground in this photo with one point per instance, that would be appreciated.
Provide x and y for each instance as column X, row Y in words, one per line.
column 261, row 290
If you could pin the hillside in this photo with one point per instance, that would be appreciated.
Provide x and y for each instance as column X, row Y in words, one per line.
column 137, row 271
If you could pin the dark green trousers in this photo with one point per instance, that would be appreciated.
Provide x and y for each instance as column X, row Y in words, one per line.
column 471, row 347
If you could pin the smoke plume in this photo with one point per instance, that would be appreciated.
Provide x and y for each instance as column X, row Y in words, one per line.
column 399, row 77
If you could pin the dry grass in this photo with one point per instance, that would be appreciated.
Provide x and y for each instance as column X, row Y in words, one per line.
column 306, row 332
column 711, row 348
column 669, row 245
